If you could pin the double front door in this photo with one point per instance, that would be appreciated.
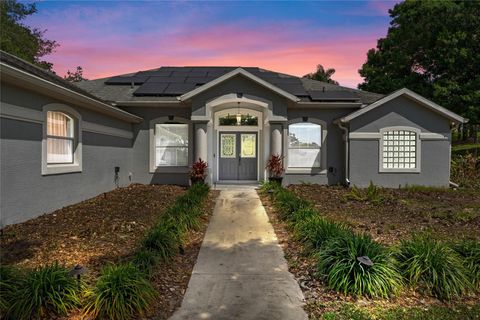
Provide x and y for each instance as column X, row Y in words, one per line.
column 238, row 156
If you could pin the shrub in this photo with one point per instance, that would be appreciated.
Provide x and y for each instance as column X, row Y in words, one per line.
column 163, row 239
column 303, row 214
column 337, row 261
column 44, row 291
column 145, row 260
column 433, row 265
column 371, row 194
column 469, row 250
column 287, row 203
column 121, row 292
column 314, row 231
column 270, row 186
column 465, row 170
column 10, row 279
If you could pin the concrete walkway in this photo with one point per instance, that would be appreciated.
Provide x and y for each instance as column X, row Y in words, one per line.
column 241, row 272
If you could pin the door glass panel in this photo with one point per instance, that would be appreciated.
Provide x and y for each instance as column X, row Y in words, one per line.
column 248, row 146
column 228, row 145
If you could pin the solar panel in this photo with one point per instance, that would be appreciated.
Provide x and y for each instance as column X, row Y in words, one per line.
column 179, row 88
column 201, row 80
column 180, row 73
column 156, row 79
column 333, row 95
column 218, row 73
column 295, row 89
column 151, row 89
column 127, row 80
column 197, row 73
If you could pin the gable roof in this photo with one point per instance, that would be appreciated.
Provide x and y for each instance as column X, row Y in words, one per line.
column 409, row 94
column 28, row 73
column 231, row 74
column 165, row 84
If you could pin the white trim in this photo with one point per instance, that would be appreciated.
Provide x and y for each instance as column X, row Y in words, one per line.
column 233, row 73
column 377, row 135
column 39, row 84
column 76, row 166
column 151, row 150
column 412, row 95
column 434, row 136
column 323, row 147
column 418, row 151
column 14, row 112
column 364, row 135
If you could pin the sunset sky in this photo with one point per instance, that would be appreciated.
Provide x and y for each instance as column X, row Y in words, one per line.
column 114, row 37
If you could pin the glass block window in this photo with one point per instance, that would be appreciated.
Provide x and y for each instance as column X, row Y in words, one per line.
column 399, row 149
column 171, row 144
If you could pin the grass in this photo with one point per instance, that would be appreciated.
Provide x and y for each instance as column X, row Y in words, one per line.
column 315, row 231
column 351, row 312
column 120, row 293
column 337, row 261
column 163, row 240
column 44, row 292
column 372, row 194
column 463, row 147
column 10, row 280
column 469, row 250
column 145, row 260
column 433, row 266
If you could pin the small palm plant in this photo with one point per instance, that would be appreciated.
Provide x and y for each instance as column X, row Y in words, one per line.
column 198, row 172
column 275, row 168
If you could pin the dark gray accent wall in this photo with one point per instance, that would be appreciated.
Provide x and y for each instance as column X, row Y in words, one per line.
column 335, row 165
column 434, row 157
column 24, row 192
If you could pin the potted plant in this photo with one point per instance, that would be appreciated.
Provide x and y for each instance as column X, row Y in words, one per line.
column 275, row 168
column 198, row 172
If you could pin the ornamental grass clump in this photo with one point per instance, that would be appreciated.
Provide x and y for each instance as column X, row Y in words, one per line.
column 469, row 250
column 315, row 231
column 163, row 239
column 145, row 260
column 287, row 203
column 44, row 293
column 338, row 262
column 10, row 280
column 433, row 266
column 121, row 292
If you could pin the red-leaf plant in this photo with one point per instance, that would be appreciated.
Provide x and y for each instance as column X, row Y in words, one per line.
column 275, row 166
column 199, row 170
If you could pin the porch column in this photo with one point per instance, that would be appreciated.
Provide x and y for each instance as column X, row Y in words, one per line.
column 276, row 143
column 201, row 141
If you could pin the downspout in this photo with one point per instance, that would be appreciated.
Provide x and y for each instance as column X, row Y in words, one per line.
column 347, row 150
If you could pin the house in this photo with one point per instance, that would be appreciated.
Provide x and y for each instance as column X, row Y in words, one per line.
column 62, row 143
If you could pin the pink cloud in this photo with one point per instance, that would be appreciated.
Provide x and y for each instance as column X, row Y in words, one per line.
column 283, row 48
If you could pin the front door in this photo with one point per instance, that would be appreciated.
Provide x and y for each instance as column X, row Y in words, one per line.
column 238, row 156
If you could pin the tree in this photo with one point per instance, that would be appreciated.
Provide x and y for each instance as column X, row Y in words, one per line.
column 433, row 48
column 20, row 40
column 322, row 75
column 76, row 76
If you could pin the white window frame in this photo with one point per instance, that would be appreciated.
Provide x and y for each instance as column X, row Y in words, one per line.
column 59, row 168
column 323, row 148
column 152, row 150
column 417, row 150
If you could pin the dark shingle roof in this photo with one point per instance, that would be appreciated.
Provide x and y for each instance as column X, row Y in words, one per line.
column 166, row 83
column 43, row 74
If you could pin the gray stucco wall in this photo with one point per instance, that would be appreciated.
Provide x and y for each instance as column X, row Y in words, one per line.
column 141, row 147
column 25, row 193
column 434, row 157
column 335, row 150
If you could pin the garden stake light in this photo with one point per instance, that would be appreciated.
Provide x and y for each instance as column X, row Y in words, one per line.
column 78, row 270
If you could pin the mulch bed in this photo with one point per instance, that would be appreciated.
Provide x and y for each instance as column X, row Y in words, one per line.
column 319, row 299
column 107, row 229
column 452, row 214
